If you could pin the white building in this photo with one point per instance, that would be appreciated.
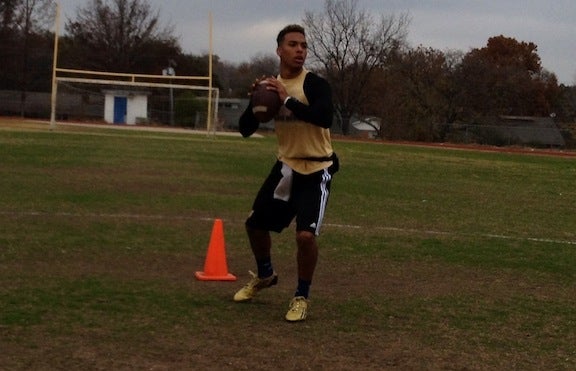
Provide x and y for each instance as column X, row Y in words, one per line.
column 125, row 107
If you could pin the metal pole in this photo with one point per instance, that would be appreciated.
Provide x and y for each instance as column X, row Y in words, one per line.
column 209, row 121
column 169, row 71
column 171, row 105
column 54, row 67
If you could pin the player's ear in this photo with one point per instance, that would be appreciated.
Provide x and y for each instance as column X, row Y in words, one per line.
column 278, row 51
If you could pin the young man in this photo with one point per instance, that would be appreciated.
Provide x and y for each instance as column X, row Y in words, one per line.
column 299, row 183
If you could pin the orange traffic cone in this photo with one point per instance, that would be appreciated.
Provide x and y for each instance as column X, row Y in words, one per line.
column 215, row 267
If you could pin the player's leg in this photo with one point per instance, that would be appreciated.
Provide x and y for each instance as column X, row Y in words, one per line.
column 261, row 245
column 268, row 214
column 312, row 192
column 306, row 258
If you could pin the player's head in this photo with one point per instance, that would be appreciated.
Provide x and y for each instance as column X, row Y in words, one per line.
column 289, row 29
column 292, row 47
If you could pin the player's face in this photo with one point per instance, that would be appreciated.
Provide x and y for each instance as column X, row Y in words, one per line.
column 293, row 50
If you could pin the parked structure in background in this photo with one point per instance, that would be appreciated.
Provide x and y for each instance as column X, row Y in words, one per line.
column 532, row 131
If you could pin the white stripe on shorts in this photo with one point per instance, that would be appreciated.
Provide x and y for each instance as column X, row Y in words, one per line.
column 326, row 177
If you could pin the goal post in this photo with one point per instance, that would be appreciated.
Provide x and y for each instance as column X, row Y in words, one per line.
column 87, row 83
column 169, row 100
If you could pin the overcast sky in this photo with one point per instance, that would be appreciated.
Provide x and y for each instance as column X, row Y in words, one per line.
column 245, row 28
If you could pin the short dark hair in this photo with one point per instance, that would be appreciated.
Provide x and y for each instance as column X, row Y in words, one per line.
column 288, row 29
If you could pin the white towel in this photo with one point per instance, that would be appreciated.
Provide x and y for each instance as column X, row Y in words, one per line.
column 282, row 191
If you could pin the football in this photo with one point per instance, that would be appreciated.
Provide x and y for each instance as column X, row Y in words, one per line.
column 265, row 103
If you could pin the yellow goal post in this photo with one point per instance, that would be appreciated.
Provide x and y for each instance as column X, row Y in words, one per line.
column 168, row 80
column 209, row 95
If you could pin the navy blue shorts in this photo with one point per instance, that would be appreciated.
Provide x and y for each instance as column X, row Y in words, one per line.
column 286, row 194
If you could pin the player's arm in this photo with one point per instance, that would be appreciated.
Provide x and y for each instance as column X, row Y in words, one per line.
column 247, row 124
column 320, row 112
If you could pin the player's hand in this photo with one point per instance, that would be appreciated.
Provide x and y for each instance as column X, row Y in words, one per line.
column 277, row 86
column 256, row 82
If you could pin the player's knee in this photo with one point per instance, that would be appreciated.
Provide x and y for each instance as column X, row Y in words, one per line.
column 305, row 238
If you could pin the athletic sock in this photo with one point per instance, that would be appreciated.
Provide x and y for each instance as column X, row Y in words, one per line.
column 303, row 288
column 264, row 267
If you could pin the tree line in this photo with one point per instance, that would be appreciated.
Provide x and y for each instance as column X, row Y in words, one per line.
column 417, row 93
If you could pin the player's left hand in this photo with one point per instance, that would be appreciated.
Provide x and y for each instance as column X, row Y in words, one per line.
column 274, row 84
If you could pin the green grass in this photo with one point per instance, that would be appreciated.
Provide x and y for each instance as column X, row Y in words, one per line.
column 431, row 258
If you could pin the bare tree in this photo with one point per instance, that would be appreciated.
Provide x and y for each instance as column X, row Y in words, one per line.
column 34, row 16
column 119, row 36
column 349, row 45
column 23, row 28
column 426, row 78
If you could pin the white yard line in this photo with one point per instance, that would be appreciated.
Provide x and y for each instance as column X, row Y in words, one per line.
column 342, row 226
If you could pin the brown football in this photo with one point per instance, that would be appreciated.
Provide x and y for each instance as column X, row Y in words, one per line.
column 265, row 103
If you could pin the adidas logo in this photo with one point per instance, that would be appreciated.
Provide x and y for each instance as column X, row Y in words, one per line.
column 313, row 225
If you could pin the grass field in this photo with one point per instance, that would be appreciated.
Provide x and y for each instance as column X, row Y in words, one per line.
column 431, row 258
